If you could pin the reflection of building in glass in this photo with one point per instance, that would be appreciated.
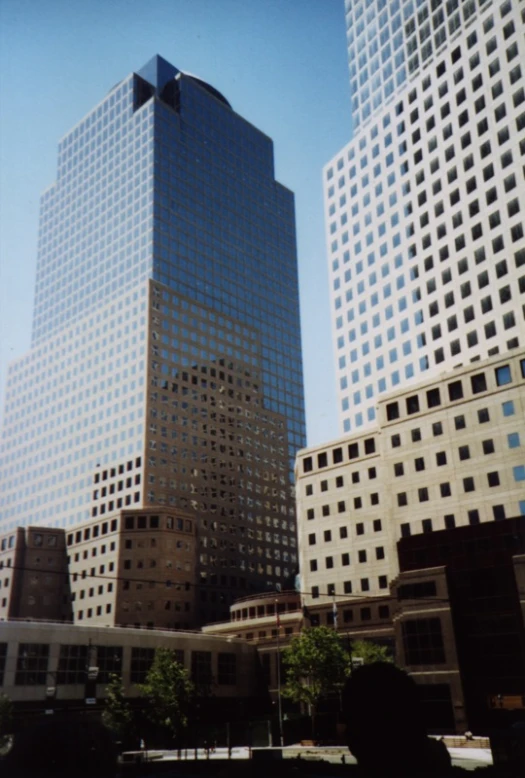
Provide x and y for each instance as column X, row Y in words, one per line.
column 424, row 206
column 166, row 347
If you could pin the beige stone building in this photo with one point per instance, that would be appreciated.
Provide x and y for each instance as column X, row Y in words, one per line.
column 45, row 666
column 34, row 575
column 134, row 568
column 270, row 621
column 446, row 453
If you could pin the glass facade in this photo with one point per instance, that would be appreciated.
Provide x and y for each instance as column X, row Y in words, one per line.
column 166, row 258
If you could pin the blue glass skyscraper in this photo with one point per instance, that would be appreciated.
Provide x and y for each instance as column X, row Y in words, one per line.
column 166, row 345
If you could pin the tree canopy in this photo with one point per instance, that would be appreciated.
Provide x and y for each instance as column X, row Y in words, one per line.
column 370, row 652
column 170, row 692
column 316, row 664
column 117, row 715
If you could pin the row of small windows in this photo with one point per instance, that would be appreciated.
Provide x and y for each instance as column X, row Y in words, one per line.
column 478, row 384
column 343, row 532
column 92, row 532
column 468, row 483
column 342, row 506
column 464, row 453
column 345, row 559
column 112, row 472
column 473, row 517
column 354, row 449
column 74, row 661
column 364, row 586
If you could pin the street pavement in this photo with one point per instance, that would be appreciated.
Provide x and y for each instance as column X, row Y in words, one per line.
column 467, row 758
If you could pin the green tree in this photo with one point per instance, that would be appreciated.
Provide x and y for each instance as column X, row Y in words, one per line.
column 117, row 715
column 370, row 652
column 6, row 720
column 316, row 665
column 170, row 692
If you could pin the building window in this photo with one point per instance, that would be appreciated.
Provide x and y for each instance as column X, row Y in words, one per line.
column 488, row 446
column 141, row 662
column 433, row 398
column 445, row 490
column 201, row 668
column 72, row 663
column 402, row 499
column 426, row 525
column 468, row 484
column 513, row 440
column 459, row 422
column 337, row 455
column 353, row 450
column 392, row 411
column 493, row 478
column 370, row 446
column 31, row 664
column 464, row 453
column 419, row 464
column 423, row 494
column 226, row 669
column 473, row 516
column 503, row 375
column 450, row 521
column 405, row 530
column 109, row 661
column 498, row 511
column 322, row 459
column 519, row 473
column 412, row 404
column 423, row 642
column 478, row 383
column 483, row 415
column 455, row 390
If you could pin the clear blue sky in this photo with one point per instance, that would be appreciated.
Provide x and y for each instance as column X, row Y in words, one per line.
column 280, row 63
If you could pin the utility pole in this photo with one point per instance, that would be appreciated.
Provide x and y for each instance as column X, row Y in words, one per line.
column 279, row 702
